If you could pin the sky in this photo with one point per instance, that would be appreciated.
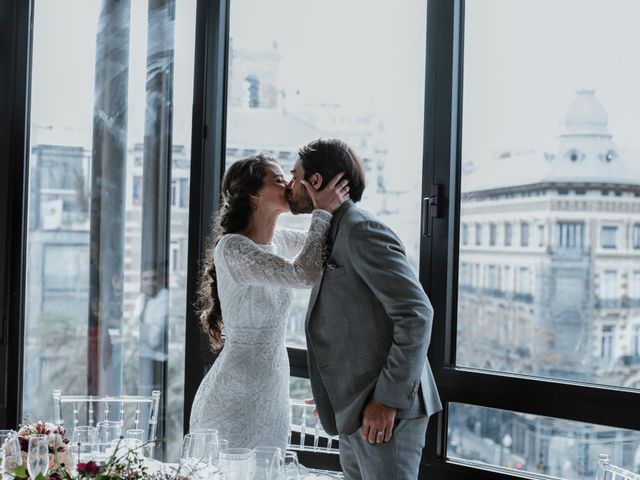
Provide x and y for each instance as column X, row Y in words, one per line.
column 524, row 61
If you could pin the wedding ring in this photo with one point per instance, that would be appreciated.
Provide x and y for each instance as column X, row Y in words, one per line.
column 381, row 434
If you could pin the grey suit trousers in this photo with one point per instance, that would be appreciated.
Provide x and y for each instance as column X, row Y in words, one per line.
column 399, row 459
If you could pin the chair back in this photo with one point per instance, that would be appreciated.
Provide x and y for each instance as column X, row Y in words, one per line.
column 306, row 432
column 133, row 411
column 607, row 471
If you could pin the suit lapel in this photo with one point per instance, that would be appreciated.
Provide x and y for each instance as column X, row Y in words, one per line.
column 333, row 232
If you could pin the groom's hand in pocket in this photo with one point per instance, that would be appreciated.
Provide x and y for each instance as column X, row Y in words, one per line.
column 377, row 418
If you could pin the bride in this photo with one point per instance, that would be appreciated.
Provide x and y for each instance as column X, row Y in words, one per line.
column 248, row 281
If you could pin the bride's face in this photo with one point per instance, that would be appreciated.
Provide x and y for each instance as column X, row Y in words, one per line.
column 272, row 196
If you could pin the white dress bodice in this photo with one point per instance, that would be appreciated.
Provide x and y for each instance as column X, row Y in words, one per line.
column 245, row 394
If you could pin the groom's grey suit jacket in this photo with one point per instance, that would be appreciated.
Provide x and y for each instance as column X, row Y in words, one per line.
column 368, row 326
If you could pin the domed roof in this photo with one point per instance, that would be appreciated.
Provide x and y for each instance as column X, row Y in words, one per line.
column 586, row 115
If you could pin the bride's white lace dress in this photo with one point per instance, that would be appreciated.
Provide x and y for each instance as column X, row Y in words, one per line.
column 245, row 394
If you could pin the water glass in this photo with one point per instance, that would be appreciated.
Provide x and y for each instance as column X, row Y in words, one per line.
column 83, row 443
column 215, row 452
column 269, row 463
column 237, row 463
column 107, row 432
column 291, row 466
column 38, row 455
column 135, row 439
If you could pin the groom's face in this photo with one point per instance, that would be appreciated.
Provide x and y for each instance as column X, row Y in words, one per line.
column 299, row 199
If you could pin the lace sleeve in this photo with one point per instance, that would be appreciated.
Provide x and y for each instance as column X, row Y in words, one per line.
column 248, row 264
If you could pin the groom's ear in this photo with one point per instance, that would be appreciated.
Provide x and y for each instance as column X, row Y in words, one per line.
column 315, row 181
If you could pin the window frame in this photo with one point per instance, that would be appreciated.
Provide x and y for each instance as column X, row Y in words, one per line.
column 439, row 260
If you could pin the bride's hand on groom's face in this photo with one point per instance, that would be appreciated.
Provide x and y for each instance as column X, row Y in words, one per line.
column 332, row 196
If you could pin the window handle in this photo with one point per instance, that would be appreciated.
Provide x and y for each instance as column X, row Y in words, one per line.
column 430, row 210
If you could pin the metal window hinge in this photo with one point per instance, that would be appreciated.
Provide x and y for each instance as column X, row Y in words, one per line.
column 430, row 210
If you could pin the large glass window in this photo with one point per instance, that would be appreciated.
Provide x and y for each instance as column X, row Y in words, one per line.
column 111, row 101
column 531, row 443
column 291, row 81
column 548, row 138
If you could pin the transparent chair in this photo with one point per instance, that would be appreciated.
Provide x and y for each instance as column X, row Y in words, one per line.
column 134, row 411
column 607, row 471
column 313, row 445
column 306, row 431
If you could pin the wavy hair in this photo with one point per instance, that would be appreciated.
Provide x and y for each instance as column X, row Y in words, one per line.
column 241, row 180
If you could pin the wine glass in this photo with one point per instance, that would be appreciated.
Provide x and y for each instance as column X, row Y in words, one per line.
column 83, row 443
column 38, row 455
column 10, row 452
column 211, row 438
column 195, row 454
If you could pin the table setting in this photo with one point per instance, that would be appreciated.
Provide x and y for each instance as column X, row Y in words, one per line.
column 42, row 451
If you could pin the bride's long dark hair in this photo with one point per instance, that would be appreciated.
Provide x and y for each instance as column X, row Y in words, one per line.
column 242, row 179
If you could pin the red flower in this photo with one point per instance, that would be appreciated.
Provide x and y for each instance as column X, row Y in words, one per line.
column 89, row 469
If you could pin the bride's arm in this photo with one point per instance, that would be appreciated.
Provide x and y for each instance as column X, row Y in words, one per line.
column 251, row 265
column 291, row 240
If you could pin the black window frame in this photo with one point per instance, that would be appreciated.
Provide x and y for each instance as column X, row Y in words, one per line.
column 595, row 404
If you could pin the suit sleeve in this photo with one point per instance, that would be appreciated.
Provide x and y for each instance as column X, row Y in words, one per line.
column 379, row 258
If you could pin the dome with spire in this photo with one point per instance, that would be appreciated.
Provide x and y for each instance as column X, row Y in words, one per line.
column 585, row 153
column 586, row 116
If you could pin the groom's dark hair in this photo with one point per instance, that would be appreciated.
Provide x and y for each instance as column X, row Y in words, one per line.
column 330, row 156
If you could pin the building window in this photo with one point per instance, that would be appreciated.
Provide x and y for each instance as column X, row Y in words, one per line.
column 493, row 283
column 478, row 234
column 524, row 234
column 508, row 234
column 635, row 342
column 634, row 289
column 136, row 195
column 606, row 342
column 493, row 232
column 609, row 293
column 465, row 234
column 571, row 235
column 541, row 235
column 636, row 237
column 608, row 237
column 252, row 94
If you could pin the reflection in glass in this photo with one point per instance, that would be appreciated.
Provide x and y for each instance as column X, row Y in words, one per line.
column 531, row 443
column 110, row 128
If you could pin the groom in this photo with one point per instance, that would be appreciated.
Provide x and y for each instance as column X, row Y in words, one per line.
column 368, row 328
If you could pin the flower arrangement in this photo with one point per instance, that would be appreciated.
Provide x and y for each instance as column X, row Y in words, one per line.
column 123, row 464
column 59, row 450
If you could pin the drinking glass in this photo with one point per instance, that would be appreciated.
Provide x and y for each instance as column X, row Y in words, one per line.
column 83, row 443
column 211, row 436
column 135, row 439
column 195, row 454
column 269, row 463
column 10, row 452
column 291, row 466
column 215, row 451
column 237, row 463
column 107, row 432
column 38, row 455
